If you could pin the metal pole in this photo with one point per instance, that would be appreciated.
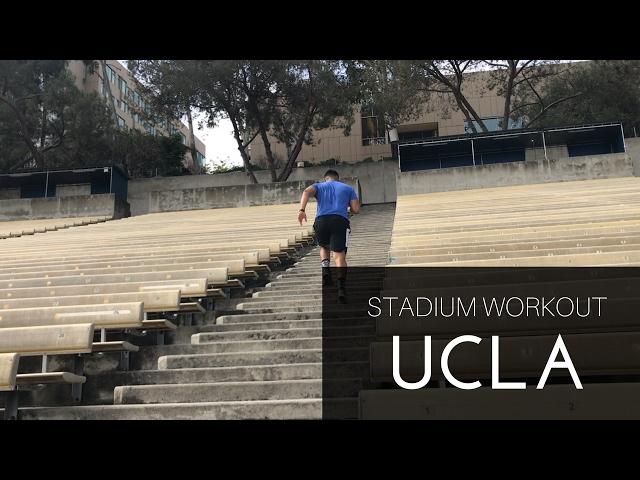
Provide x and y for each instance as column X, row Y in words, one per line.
column 544, row 144
column 46, row 186
column 399, row 167
column 473, row 153
column 44, row 363
column 111, row 180
column 624, row 144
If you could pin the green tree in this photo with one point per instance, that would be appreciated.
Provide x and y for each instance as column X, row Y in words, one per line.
column 310, row 95
column 144, row 155
column 213, row 87
column 589, row 92
column 261, row 98
column 169, row 91
column 392, row 87
column 34, row 99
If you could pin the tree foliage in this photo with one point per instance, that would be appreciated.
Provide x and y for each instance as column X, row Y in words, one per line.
column 598, row 91
column 47, row 123
column 285, row 100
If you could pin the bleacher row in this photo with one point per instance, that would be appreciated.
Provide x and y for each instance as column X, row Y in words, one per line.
column 582, row 224
column 18, row 228
column 71, row 292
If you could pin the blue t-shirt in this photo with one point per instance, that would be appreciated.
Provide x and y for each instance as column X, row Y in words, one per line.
column 333, row 198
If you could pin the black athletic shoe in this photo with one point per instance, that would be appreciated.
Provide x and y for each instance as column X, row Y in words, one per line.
column 342, row 291
column 327, row 281
column 342, row 295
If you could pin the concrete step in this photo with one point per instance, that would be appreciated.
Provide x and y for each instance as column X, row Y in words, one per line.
column 304, row 294
column 232, row 391
column 267, row 317
column 248, row 326
column 148, row 357
column 300, row 294
column 316, row 287
column 263, row 318
column 227, row 346
column 316, row 273
column 99, row 388
column 278, row 334
column 349, row 306
column 300, row 409
column 274, row 357
column 283, row 302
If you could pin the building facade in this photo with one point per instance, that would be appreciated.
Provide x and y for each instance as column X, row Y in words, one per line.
column 128, row 101
column 369, row 139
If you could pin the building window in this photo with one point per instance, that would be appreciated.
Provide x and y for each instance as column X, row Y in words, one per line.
column 150, row 129
column 111, row 74
column 416, row 135
column 122, row 84
column 121, row 122
column 373, row 129
column 200, row 158
column 125, row 106
column 493, row 124
column 184, row 139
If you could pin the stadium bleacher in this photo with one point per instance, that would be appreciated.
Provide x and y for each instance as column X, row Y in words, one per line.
column 18, row 228
column 569, row 224
column 238, row 292
column 126, row 275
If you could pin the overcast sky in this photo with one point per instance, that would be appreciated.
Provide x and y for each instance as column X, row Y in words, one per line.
column 221, row 146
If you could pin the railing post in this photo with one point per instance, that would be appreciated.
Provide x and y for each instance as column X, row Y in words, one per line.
column 473, row 153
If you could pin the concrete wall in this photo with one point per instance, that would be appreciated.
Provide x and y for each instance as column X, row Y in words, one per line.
column 553, row 152
column 65, row 207
column 73, row 190
column 200, row 198
column 517, row 173
column 633, row 149
column 377, row 183
column 7, row 193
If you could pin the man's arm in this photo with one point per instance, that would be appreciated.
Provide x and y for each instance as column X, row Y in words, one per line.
column 308, row 193
column 354, row 202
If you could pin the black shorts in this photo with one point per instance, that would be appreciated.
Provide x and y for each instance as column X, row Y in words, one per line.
column 332, row 232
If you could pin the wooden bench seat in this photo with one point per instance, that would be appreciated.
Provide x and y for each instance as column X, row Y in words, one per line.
column 115, row 346
column 110, row 316
column 47, row 340
column 193, row 287
column 213, row 275
column 236, row 266
column 154, row 301
column 8, row 371
column 27, row 379
column 74, row 339
column 192, row 307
